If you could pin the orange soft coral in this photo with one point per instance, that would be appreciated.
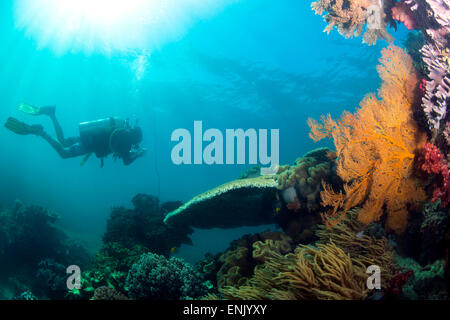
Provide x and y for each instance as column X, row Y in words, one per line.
column 376, row 149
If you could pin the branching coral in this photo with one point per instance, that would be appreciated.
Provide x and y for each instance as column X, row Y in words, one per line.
column 376, row 149
column 350, row 16
column 239, row 261
column 433, row 17
column 236, row 267
column 349, row 235
column 262, row 249
column 432, row 161
column 334, row 269
column 111, row 265
column 437, row 95
column 325, row 272
column 154, row 277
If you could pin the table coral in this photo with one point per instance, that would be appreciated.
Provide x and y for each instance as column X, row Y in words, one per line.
column 376, row 149
column 350, row 16
column 242, row 202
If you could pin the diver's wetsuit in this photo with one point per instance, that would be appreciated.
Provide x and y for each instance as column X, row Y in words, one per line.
column 92, row 142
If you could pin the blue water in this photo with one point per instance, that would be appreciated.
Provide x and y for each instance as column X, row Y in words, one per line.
column 248, row 64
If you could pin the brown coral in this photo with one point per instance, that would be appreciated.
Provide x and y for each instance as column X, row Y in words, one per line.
column 323, row 273
column 244, row 254
column 262, row 249
column 334, row 270
column 108, row 293
column 350, row 236
column 350, row 16
column 376, row 149
column 305, row 177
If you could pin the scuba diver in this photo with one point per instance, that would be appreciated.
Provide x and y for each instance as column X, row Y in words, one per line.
column 102, row 137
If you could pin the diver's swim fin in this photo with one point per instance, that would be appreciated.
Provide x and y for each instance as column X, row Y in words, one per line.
column 22, row 128
column 36, row 111
column 29, row 109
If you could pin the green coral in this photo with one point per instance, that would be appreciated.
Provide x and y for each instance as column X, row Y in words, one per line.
column 428, row 282
column 110, row 268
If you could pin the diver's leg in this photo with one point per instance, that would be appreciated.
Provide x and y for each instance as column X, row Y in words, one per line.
column 65, row 153
column 59, row 132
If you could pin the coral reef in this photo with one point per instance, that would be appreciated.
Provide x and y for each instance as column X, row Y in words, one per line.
column 427, row 282
column 323, row 273
column 108, row 293
column 433, row 229
column 334, row 269
column 51, row 280
column 376, row 149
column 144, row 226
column 433, row 162
column 447, row 134
column 154, row 277
column 243, row 255
column 413, row 44
column 25, row 296
column 305, row 177
column 208, row 267
column 353, row 237
column 402, row 12
column 298, row 211
column 36, row 251
column 433, row 17
column 109, row 268
column 350, row 17
column 437, row 95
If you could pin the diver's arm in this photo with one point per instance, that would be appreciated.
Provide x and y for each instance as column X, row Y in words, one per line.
column 133, row 155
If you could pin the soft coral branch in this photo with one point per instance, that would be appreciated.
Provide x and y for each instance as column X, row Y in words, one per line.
column 433, row 162
column 376, row 148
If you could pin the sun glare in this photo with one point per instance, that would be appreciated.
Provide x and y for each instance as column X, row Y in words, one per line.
column 108, row 25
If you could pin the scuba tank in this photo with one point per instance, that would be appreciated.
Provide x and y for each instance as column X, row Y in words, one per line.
column 95, row 135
